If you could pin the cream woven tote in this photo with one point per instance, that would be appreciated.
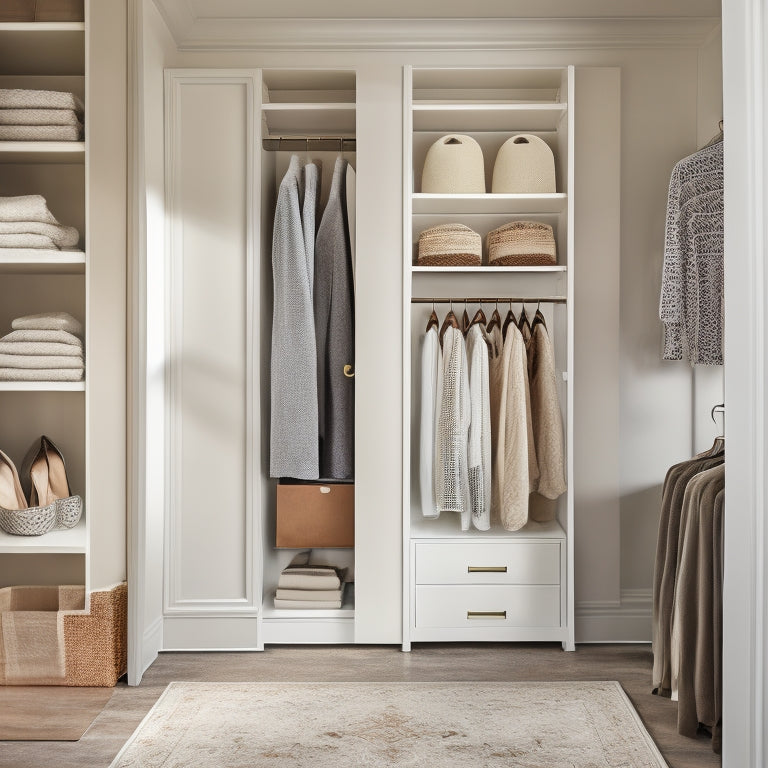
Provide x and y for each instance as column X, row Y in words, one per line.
column 522, row 244
column 450, row 245
column 454, row 165
column 524, row 165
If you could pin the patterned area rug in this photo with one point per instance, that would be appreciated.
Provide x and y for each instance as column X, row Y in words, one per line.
column 357, row 725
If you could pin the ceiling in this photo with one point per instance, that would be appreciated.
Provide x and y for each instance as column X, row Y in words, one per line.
column 257, row 24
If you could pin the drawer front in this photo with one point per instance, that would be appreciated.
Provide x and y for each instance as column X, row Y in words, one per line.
column 488, row 606
column 518, row 562
column 315, row 515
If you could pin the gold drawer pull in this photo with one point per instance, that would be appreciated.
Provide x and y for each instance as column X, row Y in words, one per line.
column 486, row 569
column 486, row 614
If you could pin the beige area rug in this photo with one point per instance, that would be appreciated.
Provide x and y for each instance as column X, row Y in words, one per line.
column 357, row 725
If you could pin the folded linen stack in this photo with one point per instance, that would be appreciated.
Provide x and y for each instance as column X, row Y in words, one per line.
column 43, row 347
column 26, row 222
column 302, row 585
column 31, row 115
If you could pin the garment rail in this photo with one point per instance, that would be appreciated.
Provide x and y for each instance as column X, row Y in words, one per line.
column 499, row 300
column 307, row 143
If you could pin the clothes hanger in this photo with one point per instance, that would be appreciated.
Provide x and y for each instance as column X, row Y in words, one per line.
column 465, row 320
column 538, row 317
column 478, row 318
column 718, row 447
column 510, row 318
column 450, row 321
column 495, row 320
column 433, row 322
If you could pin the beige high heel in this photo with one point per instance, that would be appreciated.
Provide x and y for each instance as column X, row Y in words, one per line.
column 11, row 493
column 15, row 516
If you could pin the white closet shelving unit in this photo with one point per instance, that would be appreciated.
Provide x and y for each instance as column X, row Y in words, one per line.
column 494, row 585
column 46, row 56
column 314, row 104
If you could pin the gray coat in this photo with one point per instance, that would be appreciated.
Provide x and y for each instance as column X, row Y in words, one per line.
column 335, row 333
column 294, row 424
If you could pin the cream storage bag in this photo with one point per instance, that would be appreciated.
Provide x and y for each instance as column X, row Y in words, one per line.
column 524, row 165
column 454, row 165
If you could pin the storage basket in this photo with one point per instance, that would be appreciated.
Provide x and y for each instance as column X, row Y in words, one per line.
column 315, row 515
column 524, row 165
column 522, row 244
column 454, row 165
column 47, row 638
column 450, row 245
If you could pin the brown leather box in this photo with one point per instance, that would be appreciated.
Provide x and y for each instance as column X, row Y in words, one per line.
column 59, row 10
column 315, row 515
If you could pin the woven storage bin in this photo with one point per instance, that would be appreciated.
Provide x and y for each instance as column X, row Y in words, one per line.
column 36, row 521
column 454, row 165
column 524, row 165
column 47, row 638
column 450, row 245
column 522, row 244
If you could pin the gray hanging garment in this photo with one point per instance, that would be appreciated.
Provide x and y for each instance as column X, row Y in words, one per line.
column 293, row 436
column 335, row 334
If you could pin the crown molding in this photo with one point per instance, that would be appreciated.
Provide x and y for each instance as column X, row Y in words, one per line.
column 236, row 34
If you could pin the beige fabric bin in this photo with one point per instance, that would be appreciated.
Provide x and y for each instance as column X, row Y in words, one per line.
column 524, row 165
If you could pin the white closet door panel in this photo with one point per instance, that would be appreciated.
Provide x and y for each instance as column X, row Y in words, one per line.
column 209, row 555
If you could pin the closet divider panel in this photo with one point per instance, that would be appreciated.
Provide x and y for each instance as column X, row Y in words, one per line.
column 211, row 540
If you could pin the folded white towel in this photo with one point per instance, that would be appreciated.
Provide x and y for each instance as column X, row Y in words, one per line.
column 62, row 337
column 19, row 98
column 38, row 117
column 26, row 208
column 63, row 237
column 34, row 348
column 32, row 362
column 48, row 321
column 28, row 240
column 41, row 374
column 41, row 132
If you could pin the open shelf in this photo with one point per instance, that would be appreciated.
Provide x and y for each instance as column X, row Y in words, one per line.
column 42, row 152
column 447, row 527
column 42, row 386
column 65, row 541
column 39, row 48
column 486, row 269
column 470, row 118
column 307, row 119
column 32, row 260
column 488, row 203
column 347, row 610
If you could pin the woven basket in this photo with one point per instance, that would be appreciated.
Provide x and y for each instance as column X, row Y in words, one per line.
column 47, row 638
column 450, row 245
column 522, row 244
column 36, row 521
column 454, row 165
column 524, row 165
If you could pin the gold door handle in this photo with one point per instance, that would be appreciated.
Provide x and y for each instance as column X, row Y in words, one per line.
column 349, row 372
column 486, row 569
column 486, row 614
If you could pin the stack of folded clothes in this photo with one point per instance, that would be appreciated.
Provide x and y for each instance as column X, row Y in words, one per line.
column 26, row 222
column 43, row 347
column 40, row 115
column 302, row 585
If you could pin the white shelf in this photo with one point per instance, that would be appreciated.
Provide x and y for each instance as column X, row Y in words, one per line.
column 486, row 269
column 447, row 527
column 42, row 48
column 456, row 205
column 347, row 610
column 42, row 386
column 469, row 118
column 42, row 152
column 27, row 260
column 65, row 541
column 307, row 119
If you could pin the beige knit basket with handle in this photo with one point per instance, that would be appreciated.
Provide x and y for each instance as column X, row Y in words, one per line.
column 524, row 165
column 522, row 244
column 454, row 165
column 450, row 245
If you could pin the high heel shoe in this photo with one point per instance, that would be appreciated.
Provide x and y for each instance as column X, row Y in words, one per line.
column 44, row 479
column 15, row 516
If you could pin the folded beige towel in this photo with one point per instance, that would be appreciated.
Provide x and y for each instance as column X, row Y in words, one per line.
column 41, row 132
column 48, row 321
column 26, row 208
column 307, row 604
column 62, row 337
column 41, row 374
column 63, row 237
column 38, row 117
column 28, row 240
column 35, row 348
column 19, row 98
column 32, row 362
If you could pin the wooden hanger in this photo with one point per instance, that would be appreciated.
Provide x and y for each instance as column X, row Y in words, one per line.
column 433, row 322
column 510, row 318
column 478, row 318
column 465, row 321
column 538, row 318
column 495, row 320
column 449, row 322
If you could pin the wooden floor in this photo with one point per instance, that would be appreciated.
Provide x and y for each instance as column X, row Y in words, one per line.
column 629, row 664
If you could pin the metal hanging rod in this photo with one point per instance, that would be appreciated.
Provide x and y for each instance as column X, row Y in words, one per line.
column 305, row 143
column 499, row 300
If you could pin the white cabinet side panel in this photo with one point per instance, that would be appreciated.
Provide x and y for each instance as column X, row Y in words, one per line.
column 209, row 548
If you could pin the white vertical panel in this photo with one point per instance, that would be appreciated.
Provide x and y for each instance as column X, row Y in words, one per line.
column 210, row 526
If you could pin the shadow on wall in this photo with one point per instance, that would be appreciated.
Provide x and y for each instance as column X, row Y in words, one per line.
column 639, row 528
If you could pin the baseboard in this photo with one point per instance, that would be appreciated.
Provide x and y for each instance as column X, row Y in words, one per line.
column 625, row 621
column 151, row 643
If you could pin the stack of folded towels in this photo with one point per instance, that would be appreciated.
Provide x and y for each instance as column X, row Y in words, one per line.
column 40, row 115
column 26, row 222
column 302, row 585
column 43, row 347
